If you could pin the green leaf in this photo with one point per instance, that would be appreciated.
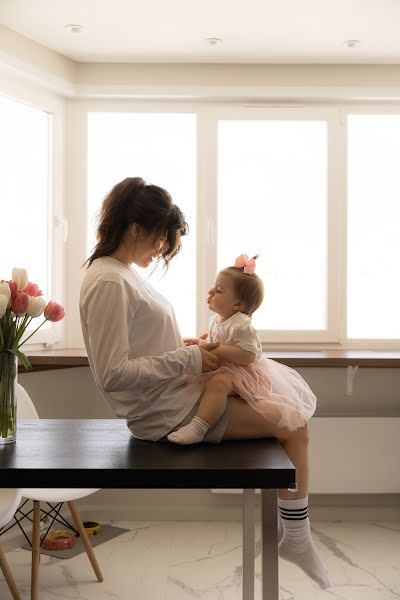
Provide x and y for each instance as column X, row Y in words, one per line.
column 21, row 357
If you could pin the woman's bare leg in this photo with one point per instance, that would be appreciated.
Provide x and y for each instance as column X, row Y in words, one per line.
column 296, row 544
column 246, row 423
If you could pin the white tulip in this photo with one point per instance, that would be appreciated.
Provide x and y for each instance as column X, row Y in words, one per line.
column 5, row 290
column 3, row 304
column 36, row 306
column 20, row 276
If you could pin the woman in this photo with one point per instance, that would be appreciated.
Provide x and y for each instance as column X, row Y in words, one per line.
column 138, row 358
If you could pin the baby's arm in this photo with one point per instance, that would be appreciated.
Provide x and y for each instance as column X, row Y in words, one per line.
column 234, row 354
column 202, row 339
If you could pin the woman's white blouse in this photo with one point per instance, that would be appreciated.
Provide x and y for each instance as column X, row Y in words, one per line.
column 135, row 349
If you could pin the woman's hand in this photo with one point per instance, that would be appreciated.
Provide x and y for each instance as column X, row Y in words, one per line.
column 210, row 362
column 195, row 341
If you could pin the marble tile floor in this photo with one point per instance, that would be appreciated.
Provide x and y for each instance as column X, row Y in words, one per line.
column 202, row 561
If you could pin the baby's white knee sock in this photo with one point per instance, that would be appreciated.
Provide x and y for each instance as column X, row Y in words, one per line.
column 191, row 433
column 296, row 545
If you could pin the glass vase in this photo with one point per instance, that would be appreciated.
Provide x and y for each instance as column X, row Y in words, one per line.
column 8, row 398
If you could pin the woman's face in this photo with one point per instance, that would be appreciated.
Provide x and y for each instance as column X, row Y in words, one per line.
column 147, row 247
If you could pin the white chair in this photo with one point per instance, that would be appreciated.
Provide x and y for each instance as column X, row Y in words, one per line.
column 27, row 410
column 9, row 501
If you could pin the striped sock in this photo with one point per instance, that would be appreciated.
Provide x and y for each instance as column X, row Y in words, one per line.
column 296, row 545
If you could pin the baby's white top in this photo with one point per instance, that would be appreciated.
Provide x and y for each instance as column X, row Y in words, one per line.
column 235, row 331
column 135, row 349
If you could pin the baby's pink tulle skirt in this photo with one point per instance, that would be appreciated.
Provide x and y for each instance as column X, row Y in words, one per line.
column 276, row 391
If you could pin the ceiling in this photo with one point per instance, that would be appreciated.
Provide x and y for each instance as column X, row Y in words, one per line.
column 252, row 31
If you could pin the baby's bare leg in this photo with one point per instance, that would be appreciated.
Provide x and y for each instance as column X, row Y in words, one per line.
column 211, row 408
column 213, row 402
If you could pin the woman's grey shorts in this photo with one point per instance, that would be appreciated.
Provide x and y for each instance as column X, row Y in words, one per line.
column 214, row 434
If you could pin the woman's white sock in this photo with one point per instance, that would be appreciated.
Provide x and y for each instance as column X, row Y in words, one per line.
column 280, row 527
column 191, row 433
column 296, row 545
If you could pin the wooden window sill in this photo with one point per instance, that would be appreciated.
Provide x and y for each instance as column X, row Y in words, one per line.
column 45, row 360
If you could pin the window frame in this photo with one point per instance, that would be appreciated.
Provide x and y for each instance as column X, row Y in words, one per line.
column 333, row 333
column 365, row 108
column 77, row 176
column 36, row 97
column 207, row 115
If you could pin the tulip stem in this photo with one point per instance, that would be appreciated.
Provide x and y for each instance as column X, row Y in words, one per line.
column 33, row 333
column 21, row 328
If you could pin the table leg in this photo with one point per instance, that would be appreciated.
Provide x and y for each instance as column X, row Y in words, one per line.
column 249, row 500
column 269, row 537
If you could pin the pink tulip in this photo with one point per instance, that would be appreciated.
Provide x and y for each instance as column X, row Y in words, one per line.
column 53, row 312
column 13, row 285
column 20, row 304
column 32, row 289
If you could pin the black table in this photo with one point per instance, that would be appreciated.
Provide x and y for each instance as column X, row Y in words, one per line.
column 102, row 453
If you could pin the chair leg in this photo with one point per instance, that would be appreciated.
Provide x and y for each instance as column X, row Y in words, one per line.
column 8, row 576
column 35, row 550
column 85, row 540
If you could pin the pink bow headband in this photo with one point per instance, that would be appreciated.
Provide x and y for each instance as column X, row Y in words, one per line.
column 243, row 262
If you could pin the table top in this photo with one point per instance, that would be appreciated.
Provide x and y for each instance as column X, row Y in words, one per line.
column 102, row 453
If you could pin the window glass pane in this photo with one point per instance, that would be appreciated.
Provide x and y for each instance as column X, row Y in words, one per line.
column 160, row 148
column 272, row 200
column 373, row 282
column 24, row 192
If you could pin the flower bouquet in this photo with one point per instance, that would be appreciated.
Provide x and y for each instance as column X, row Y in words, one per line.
column 20, row 302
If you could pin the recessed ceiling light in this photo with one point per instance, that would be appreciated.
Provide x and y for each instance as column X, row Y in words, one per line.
column 351, row 43
column 74, row 28
column 213, row 41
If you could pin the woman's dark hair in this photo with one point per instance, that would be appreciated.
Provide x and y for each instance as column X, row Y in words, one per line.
column 148, row 206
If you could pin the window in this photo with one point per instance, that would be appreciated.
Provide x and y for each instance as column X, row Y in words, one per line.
column 160, row 148
column 24, row 190
column 272, row 200
column 312, row 189
column 373, row 240
column 25, row 158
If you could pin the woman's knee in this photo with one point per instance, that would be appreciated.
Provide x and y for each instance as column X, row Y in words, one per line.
column 300, row 435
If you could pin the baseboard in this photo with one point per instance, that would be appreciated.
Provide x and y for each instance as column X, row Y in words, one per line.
column 357, row 507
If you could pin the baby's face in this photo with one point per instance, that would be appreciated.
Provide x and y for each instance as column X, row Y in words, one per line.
column 222, row 297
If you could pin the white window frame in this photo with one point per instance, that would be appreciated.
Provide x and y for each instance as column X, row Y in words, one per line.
column 25, row 92
column 208, row 114
column 208, row 260
column 77, row 190
column 367, row 108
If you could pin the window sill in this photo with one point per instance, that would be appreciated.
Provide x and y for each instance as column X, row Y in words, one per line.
column 46, row 360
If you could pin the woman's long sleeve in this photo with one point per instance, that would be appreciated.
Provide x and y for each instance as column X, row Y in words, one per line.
column 109, row 317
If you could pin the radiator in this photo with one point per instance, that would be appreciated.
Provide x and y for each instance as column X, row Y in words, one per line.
column 355, row 455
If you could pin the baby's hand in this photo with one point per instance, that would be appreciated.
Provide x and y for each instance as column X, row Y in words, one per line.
column 190, row 341
column 195, row 341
